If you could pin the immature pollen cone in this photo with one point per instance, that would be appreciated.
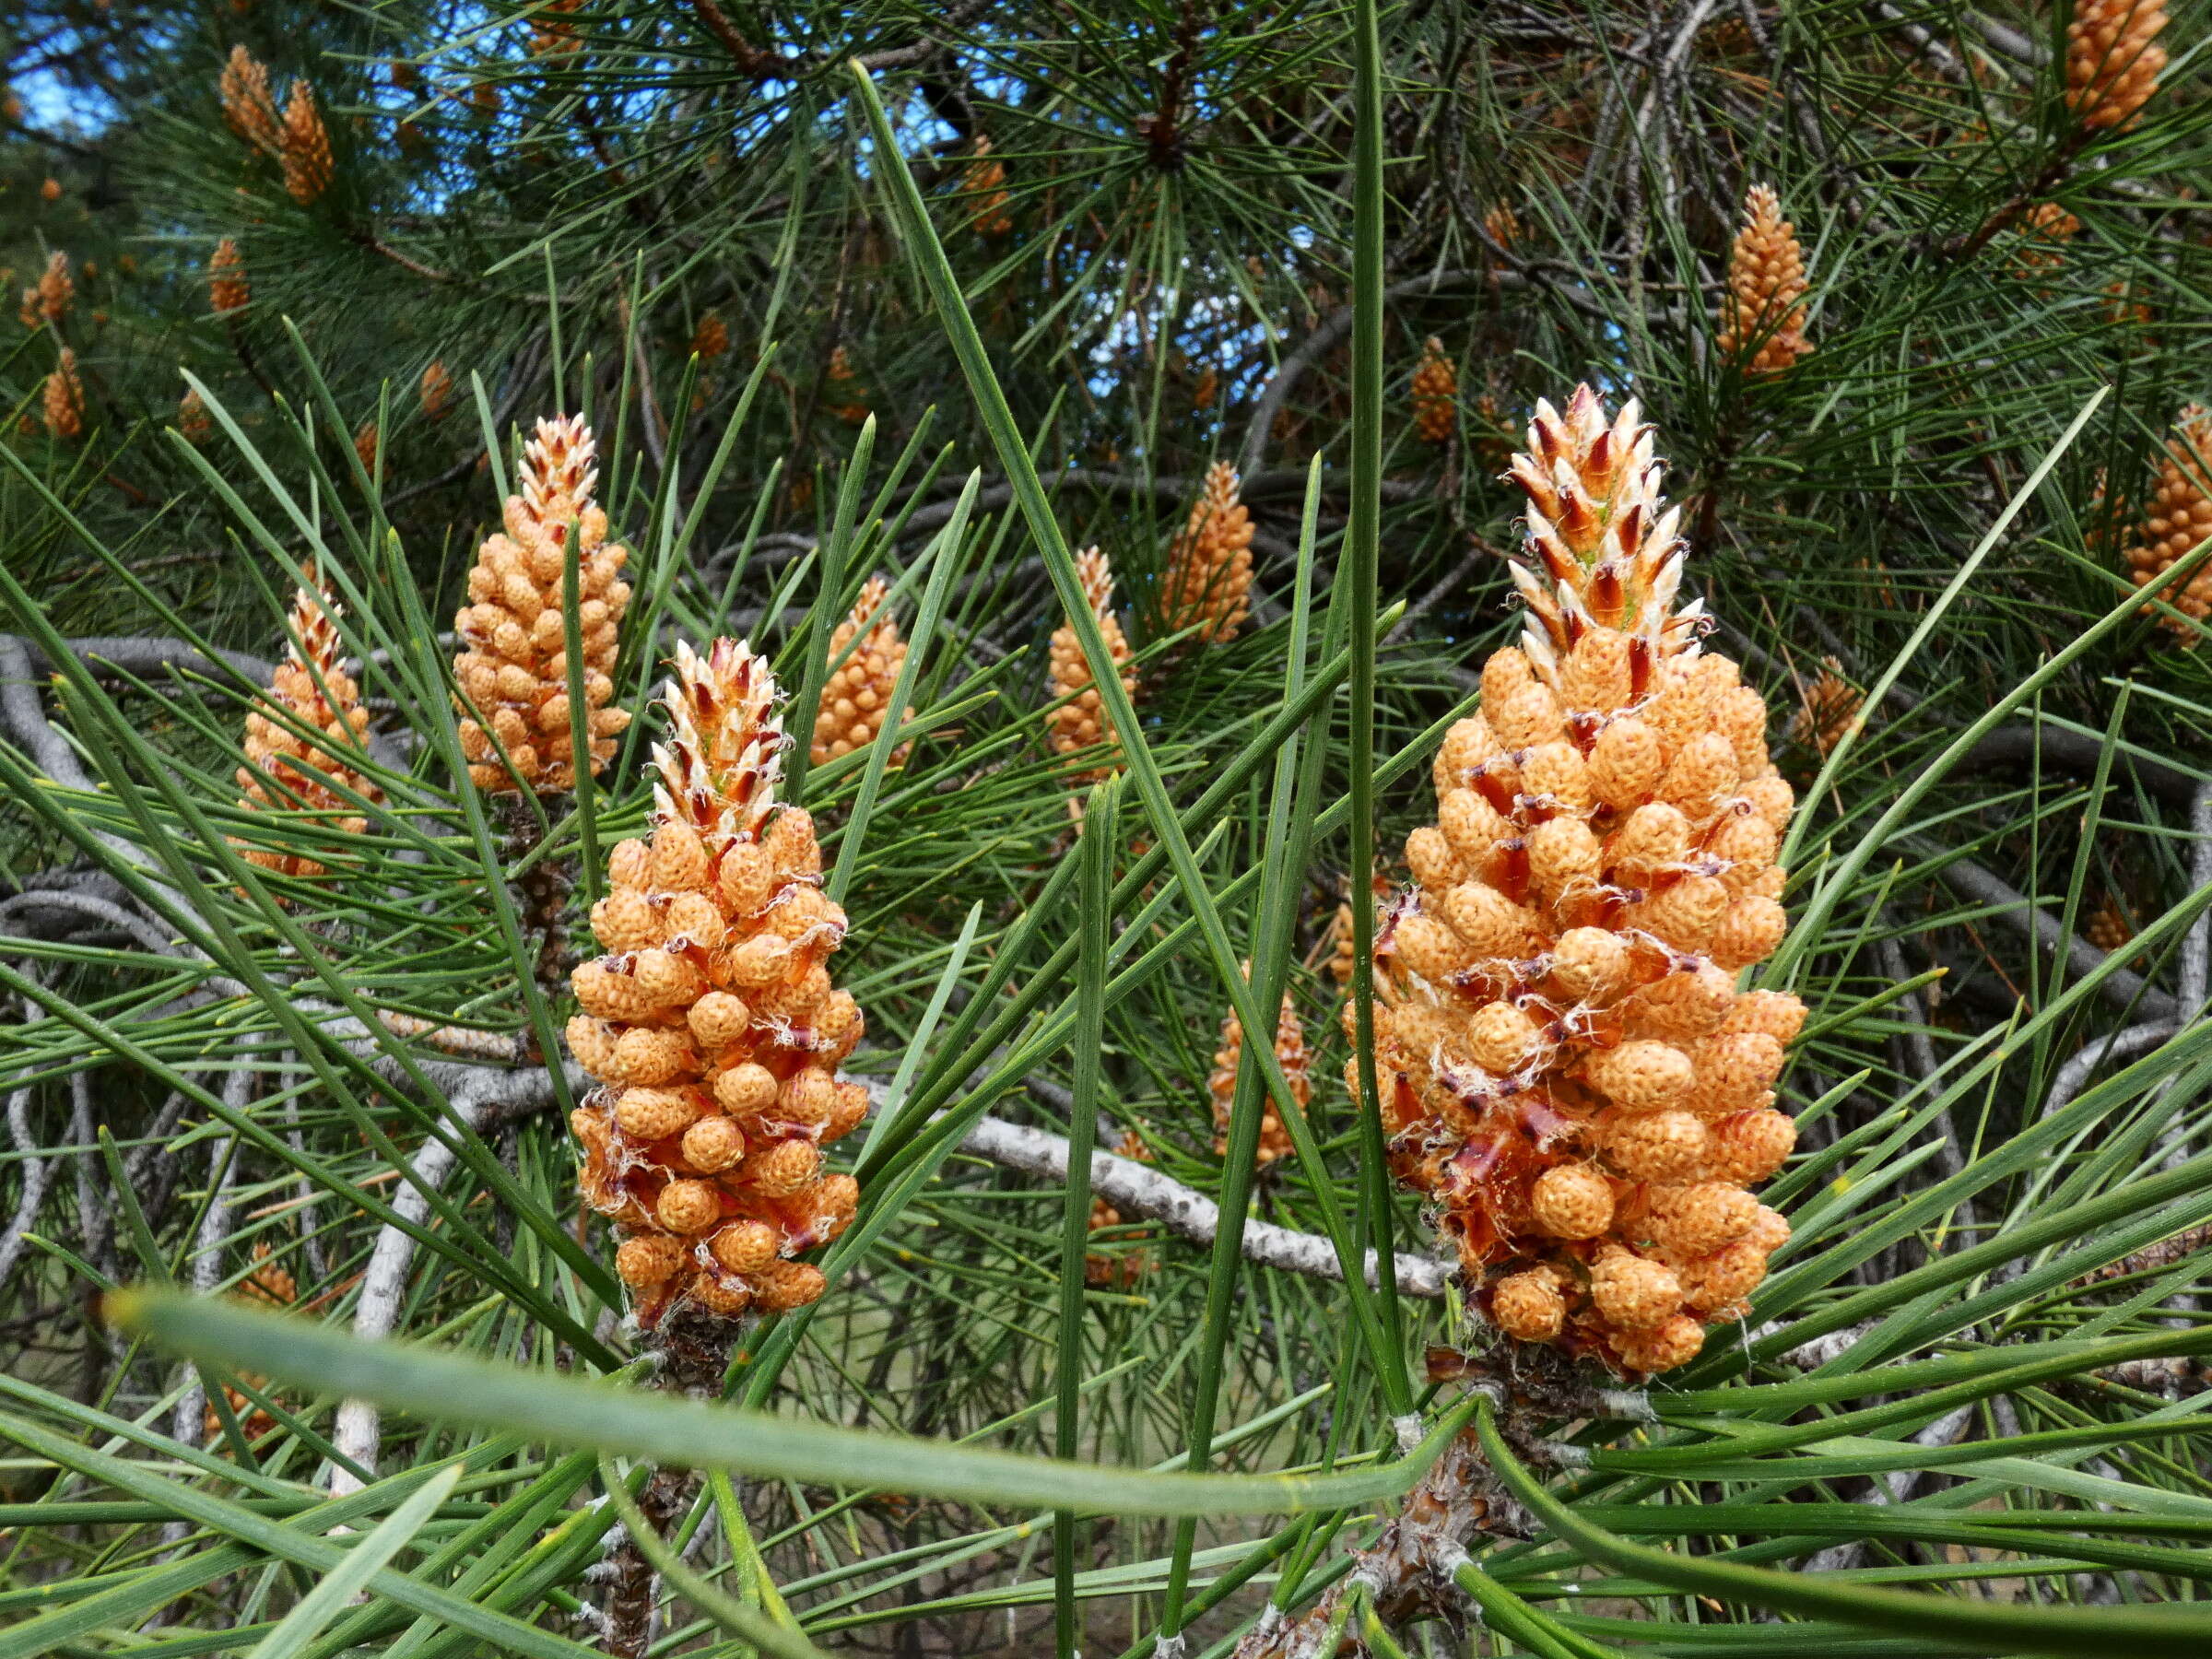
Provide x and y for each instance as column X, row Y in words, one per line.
column 2114, row 60
column 1080, row 722
column 1208, row 579
column 1765, row 297
column 312, row 687
column 2180, row 518
column 1435, row 394
column 712, row 1021
column 514, row 672
column 1567, row 1068
column 858, row 695
column 1221, row 1083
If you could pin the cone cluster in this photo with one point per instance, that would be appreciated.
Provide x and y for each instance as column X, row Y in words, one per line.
column 313, row 691
column 1764, row 301
column 858, row 695
column 2114, row 60
column 1208, row 582
column 1221, row 1083
column 1567, row 1069
column 2180, row 517
column 712, row 1022
column 296, row 138
column 47, row 300
column 1435, row 394
column 1079, row 721
column 513, row 672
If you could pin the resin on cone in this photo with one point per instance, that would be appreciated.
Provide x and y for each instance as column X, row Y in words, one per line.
column 1221, row 1083
column 857, row 696
column 1079, row 721
column 1435, row 394
column 2114, row 60
column 1208, row 582
column 513, row 672
column 2180, row 518
column 311, row 690
column 1762, row 308
column 1568, row 1072
column 712, row 1023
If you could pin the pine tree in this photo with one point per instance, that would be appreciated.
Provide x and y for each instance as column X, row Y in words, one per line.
column 1151, row 460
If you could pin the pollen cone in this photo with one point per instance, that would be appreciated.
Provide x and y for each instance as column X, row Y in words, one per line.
column 1123, row 1265
column 1762, row 309
column 436, row 389
column 1080, row 722
column 857, row 695
column 63, row 403
column 984, row 184
column 2113, row 59
column 47, row 300
column 513, row 672
column 712, row 1023
column 227, row 289
column 1568, row 1071
column 842, row 394
column 1208, row 582
column 1435, row 394
column 248, row 104
column 2180, row 518
column 1221, row 1083
column 310, row 690
column 306, row 149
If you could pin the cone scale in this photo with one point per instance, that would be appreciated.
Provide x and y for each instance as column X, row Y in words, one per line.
column 1569, row 1074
